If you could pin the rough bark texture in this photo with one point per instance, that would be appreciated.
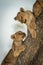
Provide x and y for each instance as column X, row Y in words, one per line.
column 33, row 55
column 38, row 59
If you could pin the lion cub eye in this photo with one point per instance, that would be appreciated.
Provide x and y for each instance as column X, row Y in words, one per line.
column 25, row 21
column 18, row 12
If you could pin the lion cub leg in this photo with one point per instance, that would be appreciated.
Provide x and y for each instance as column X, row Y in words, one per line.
column 32, row 32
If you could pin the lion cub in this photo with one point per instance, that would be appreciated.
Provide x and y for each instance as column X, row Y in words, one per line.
column 37, row 9
column 28, row 18
column 17, row 46
column 41, row 2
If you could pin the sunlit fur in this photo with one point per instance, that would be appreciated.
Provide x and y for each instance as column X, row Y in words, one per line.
column 17, row 46
column 28, row 18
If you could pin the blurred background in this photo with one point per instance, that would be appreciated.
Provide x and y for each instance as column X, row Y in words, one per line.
column 8, row 26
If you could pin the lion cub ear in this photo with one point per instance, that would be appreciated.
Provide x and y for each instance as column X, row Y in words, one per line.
column 21, row 9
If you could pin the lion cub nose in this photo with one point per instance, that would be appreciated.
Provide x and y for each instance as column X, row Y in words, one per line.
column 14, row 18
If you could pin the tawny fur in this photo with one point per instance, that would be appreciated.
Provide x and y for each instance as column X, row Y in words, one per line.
column 17, row 46
column 37, row 9
column 28, row 18
column 41, row 2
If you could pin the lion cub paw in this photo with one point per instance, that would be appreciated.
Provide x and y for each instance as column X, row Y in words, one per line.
column 19, row 50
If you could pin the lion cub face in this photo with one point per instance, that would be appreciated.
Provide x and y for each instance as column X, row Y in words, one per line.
column 20, row 16
column 24, row 16
column 18, row 36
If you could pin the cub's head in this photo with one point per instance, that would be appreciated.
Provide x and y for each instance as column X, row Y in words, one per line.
column 23, row 16
column 20, row 16
column 18, row 36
